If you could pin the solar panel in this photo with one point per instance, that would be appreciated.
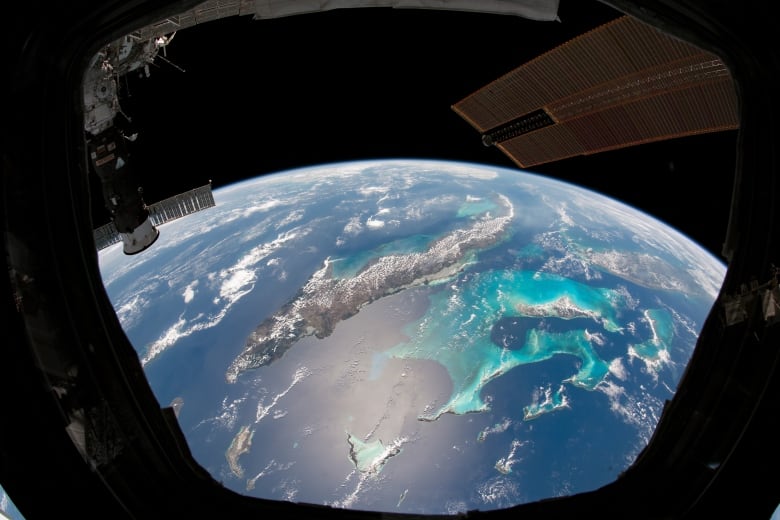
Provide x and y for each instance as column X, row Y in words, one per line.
column 621, row 84
column 161, row 212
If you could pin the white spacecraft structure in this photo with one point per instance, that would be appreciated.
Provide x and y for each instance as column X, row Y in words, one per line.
column 132, row 221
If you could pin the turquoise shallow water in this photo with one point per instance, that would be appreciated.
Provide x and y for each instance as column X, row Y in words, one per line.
column 476, row 206
column 456, row 332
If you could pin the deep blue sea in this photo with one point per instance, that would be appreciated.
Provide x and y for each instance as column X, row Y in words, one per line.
column 538, row 369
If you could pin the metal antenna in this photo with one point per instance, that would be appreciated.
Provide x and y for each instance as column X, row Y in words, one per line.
column 169, row 62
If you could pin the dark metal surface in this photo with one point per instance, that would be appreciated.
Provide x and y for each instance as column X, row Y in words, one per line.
column 66, row 360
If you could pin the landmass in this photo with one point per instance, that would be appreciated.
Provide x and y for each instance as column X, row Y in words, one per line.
column 371, row 457
column 504, row 464
column 546, row 401
column 496, row 428
column 325, row 300
column 241, row 444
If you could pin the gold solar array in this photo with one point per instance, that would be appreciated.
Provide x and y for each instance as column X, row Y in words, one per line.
column 621, row 84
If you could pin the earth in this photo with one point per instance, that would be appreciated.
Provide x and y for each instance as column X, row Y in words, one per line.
column 414, row 336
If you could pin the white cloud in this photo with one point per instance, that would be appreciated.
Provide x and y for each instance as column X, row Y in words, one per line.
column 372, row 223
column 354, row 226
column 168, row 338
column 263, row 206
column 617, row 369
column 131, row 311
column 472, row 172
column 263, row 410
column 595, row 337
column 235, row 282
column 499, row 492
column 227, row 415
column 370, row 190
column 640, row 411
column 294, row 216
column 189, row 292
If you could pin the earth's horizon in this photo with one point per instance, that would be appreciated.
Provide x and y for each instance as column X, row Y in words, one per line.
column 414, row 335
